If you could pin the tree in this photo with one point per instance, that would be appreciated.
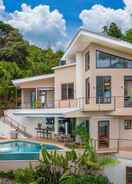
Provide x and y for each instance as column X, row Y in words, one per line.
column 128, row 35
column 113, row 30
column 19, row 59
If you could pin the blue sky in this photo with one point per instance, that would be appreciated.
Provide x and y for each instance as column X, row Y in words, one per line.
column 45, row 27
column 69, row 8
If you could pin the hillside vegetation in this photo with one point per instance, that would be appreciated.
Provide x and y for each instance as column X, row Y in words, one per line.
column 19, row 59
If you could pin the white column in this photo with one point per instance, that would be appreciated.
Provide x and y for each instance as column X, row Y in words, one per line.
column 66, row 128
column 22, row 98
column 56, row 125
column 78, row 122
column 79, row 75
column 36, row 94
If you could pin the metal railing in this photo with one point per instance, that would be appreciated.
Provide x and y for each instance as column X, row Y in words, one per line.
column 15, row 124
column 93, row 103
column 112, row 145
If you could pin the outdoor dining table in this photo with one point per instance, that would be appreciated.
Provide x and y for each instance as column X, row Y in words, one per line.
column 43, row 132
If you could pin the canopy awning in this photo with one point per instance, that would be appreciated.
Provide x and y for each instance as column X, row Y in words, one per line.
column 55, row 112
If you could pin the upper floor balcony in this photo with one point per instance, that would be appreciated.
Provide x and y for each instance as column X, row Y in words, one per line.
column 114, row 103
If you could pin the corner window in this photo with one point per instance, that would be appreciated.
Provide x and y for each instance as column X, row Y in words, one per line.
column 67, row 91
column 87, row 61
column 106, row 60
column 128, row 124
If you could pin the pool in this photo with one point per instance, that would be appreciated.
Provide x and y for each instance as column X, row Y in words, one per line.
column 23, row 150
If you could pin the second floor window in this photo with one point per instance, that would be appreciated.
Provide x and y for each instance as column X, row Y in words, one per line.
column 87, row 90
column 87, row 61
column 67, row 91
column 103, row 89
column 105, row 60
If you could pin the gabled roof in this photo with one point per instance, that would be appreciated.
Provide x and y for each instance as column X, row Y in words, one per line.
column 31, row 79
column 84, row 37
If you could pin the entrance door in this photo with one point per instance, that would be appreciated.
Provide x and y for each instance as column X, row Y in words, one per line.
column 103, row 134
column 129, row 175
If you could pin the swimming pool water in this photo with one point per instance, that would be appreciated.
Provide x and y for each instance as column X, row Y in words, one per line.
column 23, row 150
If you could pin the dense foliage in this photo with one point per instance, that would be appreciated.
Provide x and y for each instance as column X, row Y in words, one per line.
column 114, row 31
column 18, row 59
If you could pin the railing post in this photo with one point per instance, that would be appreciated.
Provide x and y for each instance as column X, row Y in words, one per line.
column 114, row 103
column 118, row 144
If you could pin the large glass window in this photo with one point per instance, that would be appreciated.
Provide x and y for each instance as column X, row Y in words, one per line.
column 103, row 89
column 87, row 61
column 67, row 91
column 105, row 60
column 87, row 90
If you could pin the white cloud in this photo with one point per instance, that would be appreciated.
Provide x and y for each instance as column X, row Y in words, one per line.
column 98, row 16
column 40, row 26
column 2, row 7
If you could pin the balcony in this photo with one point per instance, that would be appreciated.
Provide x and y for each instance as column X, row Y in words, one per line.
column 110, row 104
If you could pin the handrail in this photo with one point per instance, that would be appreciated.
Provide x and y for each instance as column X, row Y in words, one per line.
column 17, row 125
column 113, row 102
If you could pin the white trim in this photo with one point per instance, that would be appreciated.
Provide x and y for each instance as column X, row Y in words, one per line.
column 97, row 37
column 64, row 66
column 55, row 112
column 30, row 79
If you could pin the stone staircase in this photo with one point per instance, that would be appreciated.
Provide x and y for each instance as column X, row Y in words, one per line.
column 16, row 125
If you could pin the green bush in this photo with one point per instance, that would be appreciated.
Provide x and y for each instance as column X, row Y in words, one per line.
column 84, row 180
column 24, row 176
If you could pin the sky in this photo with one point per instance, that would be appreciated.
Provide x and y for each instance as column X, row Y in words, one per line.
column 52, row 23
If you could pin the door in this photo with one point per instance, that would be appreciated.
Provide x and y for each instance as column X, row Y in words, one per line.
column 129, row 175
column 103, row 134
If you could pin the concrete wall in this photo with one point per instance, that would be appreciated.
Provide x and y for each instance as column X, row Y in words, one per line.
column 64, row 75
column 117, row 174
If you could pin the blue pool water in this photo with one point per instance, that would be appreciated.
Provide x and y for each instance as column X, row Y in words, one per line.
column 23, row 150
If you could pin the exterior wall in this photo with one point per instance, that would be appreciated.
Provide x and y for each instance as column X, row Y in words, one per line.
column 117, row 174
column 125, row 133
column 117, row 77
column 114, row 126
column 64, row 75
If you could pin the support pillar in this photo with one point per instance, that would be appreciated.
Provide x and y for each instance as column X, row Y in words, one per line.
column 56, row 125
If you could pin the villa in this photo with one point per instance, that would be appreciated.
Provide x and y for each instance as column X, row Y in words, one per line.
column 92, row 87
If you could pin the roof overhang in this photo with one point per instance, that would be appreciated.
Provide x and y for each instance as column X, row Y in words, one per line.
column 18, row 82
column 56, row 112
column 84, row 38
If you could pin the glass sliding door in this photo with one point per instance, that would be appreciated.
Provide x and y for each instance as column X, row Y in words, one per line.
column 103, row 134
column 103, row 89
column 128, row 91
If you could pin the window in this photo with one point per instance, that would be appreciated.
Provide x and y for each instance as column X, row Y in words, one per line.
column 128, row 91
column 128, row 124
column 128, row 175
column 102, row 60
column 62, row 62
column 87, row 60
column 87, row 90
column 105, row 60
column 67, row 91
column 103, row 89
